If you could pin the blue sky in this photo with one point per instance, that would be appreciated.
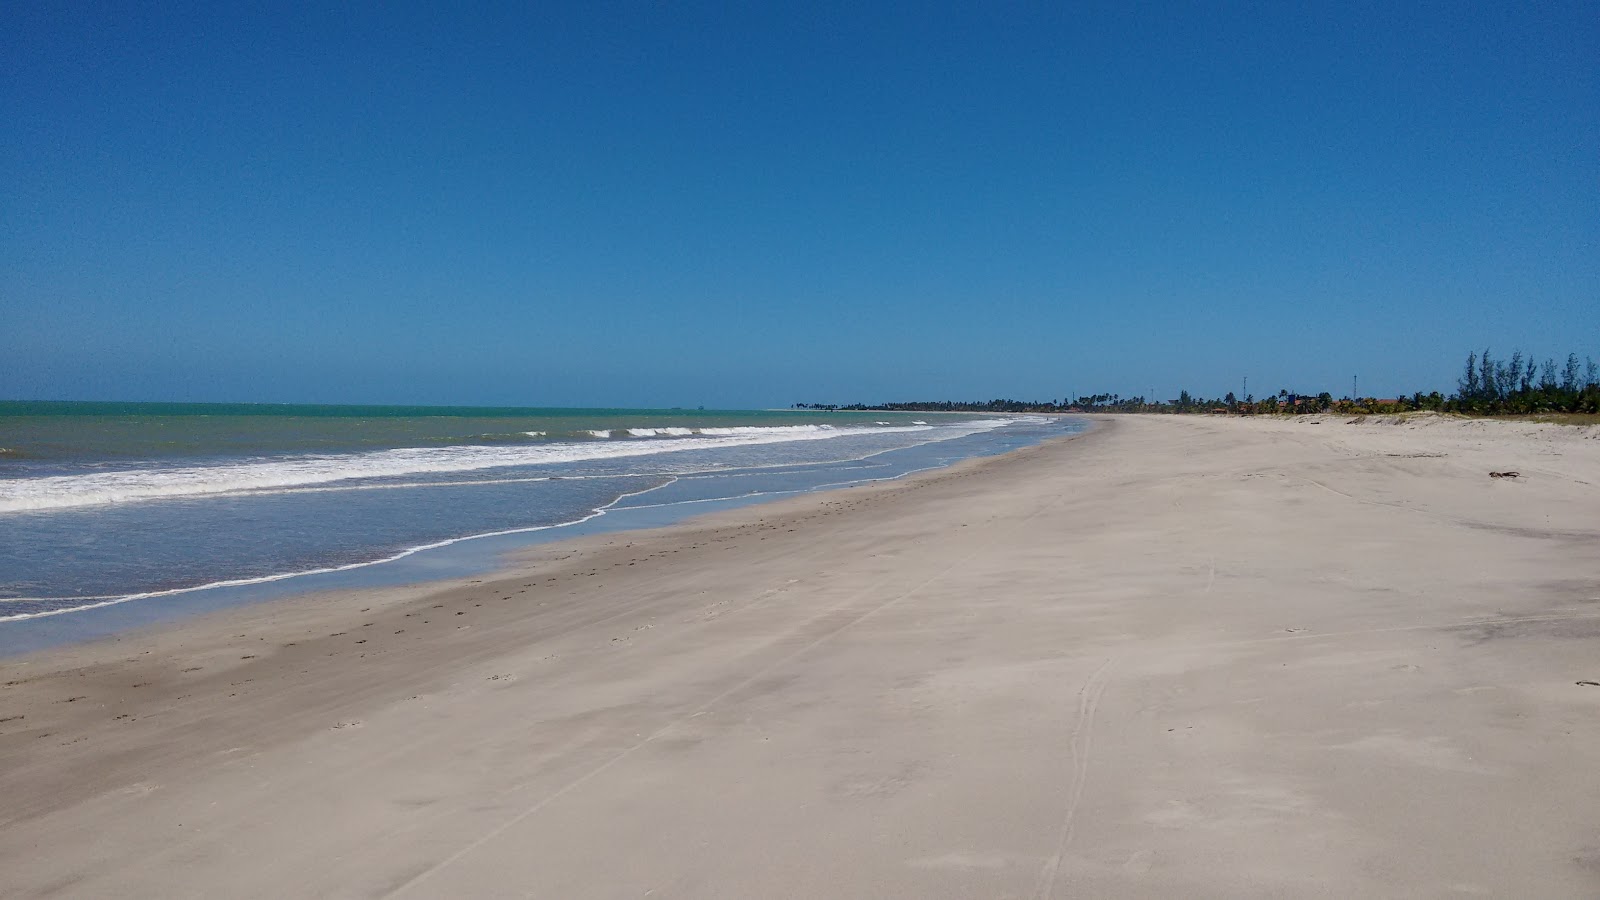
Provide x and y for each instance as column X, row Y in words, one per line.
column 749, row 205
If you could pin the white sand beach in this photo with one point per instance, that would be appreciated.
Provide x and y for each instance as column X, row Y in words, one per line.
column 1174, row 657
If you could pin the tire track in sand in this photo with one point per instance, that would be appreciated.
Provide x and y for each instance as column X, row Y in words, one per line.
column 1081, row 746
column 432, row 869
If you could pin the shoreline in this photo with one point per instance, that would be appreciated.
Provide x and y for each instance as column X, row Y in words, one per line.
column 470, row 554
column 1208, row 658
column 506, row 565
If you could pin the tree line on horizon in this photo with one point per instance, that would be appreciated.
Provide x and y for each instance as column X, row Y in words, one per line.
column 1518, row 385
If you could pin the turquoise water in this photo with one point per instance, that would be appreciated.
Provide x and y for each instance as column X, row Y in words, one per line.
column 54, row 431
column 100, row 503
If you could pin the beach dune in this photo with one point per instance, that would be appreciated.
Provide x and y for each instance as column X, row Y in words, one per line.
column 1175, row 656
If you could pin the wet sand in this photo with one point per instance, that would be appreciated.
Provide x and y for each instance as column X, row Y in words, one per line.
column 1173, row 657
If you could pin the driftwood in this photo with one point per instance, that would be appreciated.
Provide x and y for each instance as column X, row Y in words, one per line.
column 1505, row 474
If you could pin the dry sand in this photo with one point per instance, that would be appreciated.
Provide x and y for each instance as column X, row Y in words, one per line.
column 1172, row 658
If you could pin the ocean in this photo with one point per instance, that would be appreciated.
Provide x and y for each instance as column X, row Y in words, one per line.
column 105, row 503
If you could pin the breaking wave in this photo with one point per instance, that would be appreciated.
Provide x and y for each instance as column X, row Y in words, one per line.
column 285, row 473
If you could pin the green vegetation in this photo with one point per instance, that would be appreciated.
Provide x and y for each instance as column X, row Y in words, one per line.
column 1519, row 386
column 1488, row 387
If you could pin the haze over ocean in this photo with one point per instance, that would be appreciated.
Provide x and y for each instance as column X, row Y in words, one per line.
column 684, row 205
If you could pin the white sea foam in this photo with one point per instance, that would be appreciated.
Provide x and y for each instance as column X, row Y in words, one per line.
column 115, row 599
column 660, row 432
column 602, row 433
column 534, row 433
column 275, row 475
column 781, row 429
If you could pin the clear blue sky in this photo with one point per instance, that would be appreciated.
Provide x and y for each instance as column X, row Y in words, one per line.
column 736, row 205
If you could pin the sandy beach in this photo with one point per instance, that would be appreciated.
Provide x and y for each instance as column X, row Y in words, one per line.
column 1185, row 657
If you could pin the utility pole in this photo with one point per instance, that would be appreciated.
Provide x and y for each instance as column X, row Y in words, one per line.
column 1246, row 392
column 1353, row 394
